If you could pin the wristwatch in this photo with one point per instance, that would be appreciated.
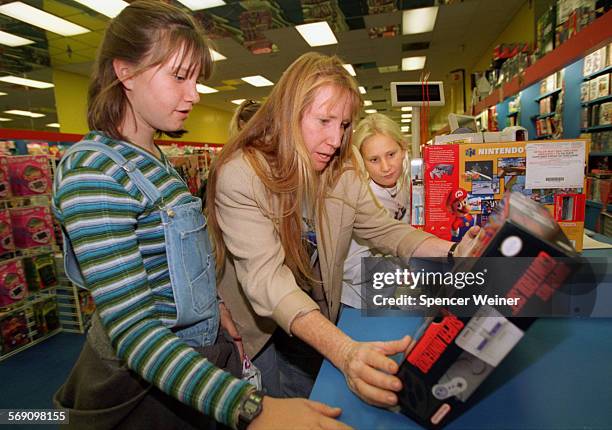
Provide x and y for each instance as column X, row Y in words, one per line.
column 250, row 409
column 451, row 252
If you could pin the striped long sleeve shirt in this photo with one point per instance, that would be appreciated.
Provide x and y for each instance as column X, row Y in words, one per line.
column 119, row 242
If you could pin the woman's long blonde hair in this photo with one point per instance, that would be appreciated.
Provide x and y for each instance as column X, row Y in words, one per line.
column 272, row 144
column 372, row 125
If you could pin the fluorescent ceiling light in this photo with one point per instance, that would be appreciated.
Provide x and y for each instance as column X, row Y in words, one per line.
column 317, row 33
column 38, row 18
column 5, row 119
column 349, row 68
column 217, row 56
column 25, row 82
column 370, row 111
column 406, row 108
column 406, row 120
column 24, row 113
column 201, row 4
column 413, row 63
column 2, row 94
column 406, row 115
column 422, row 20
column 367, row 102
column 110, row 8
column 9, row 39
column 53, row 124
column 257, row 81
column 405, row 128
column 362, row 90
column 238, row 101
column 203, row 89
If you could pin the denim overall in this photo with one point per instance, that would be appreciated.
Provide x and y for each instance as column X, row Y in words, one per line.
column 188, row 249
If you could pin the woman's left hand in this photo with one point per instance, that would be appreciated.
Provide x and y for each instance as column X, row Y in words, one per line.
column 228, row 324
column 370, row 373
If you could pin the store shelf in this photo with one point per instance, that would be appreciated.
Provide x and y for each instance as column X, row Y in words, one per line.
column 596, row 128
column 585, row 41
column 544, row 136
column 513, row 113
column 546, row 115
column 598, row 73
column 597, row 101
column 30, row 344
column 600, row 154
column 548, row 94
column 598, row 205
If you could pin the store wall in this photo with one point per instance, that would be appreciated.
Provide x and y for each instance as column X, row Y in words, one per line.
column 205, row 124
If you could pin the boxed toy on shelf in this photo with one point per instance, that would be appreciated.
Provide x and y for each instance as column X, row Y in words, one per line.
column 14, row 331
column 5, row 185
column 32, row 226
column 7, row 244
column 476, row 176
column 13, row 285
column 40, row 271
column 30, row 175
column 46, row 317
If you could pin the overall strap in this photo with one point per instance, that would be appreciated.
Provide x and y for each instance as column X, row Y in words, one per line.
column 138, row 178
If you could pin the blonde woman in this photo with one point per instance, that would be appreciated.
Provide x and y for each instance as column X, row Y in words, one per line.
column 381, row 151
column 284, row 200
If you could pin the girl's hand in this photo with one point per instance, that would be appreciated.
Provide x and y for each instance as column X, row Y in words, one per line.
column 285, row 414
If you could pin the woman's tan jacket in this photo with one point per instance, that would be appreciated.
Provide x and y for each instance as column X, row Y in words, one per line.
column 257, row 287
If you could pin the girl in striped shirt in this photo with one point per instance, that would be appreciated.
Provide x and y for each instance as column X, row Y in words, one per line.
column 137, row 239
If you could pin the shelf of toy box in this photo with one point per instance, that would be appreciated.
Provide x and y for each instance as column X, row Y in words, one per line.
column 543, row 116
column 596, row 128
column 598, row 73
column 18, row 254
column 596, row 101
column 599, row 205
column 23, row 201
column 30, row 344
column 548, row 94
column 72, row 317
column 513, row 113
column 589, row 39
column 31, row 299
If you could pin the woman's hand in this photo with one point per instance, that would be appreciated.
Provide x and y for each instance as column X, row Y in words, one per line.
column 227, row 323
column 369, row 372
column 284, row 414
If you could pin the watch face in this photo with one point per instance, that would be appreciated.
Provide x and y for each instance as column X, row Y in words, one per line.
column 250, row 407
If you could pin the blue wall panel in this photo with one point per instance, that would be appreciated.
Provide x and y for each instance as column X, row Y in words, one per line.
column 571, row 108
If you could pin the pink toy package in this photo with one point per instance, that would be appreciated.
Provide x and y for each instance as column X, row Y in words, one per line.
column 32, row 226
column 13, row 286
column 6, row 232
column 5, row 184
column 30, row 175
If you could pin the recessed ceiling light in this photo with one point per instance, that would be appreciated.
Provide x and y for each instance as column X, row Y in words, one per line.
column 422, row 20
column 406, row 115
column 9, row 39
column 203, row 89
column 370, row 111
column 413, row 63
column 406, row 120
column 238, row 101
column 217, row 56
column 257, row 81
column 24, row 113
column 38, row 18
column 367, row 102
column 53, row 125
column 25, row 82
column 406, row 108
column 5, row 119
column 405, row 128
column 110, row 8
column 317, row 33
column 201, row 4
column 2, row 94
column 362, row 90
column 349, row 68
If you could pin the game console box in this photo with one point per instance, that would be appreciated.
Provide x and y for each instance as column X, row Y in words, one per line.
column 30, row 175
column 32, row 226
column 464, row 183
column 13, row 285
column 7, row 244
column 455, row 353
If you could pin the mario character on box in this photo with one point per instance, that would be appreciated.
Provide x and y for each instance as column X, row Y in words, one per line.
column 5, row 185
column 457, row 204
column 32, row 226
column 30, row 175
column 13, row 286
column 6, row 233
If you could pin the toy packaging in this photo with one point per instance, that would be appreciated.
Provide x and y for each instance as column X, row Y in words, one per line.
column 5, row 184
column 13, row 285
column 30, row 175
column 32, row 226
column 6, row 232
column 46, row 316
column 40, row 272
column 464, row 183
column 456, row 352
column 14, row 331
